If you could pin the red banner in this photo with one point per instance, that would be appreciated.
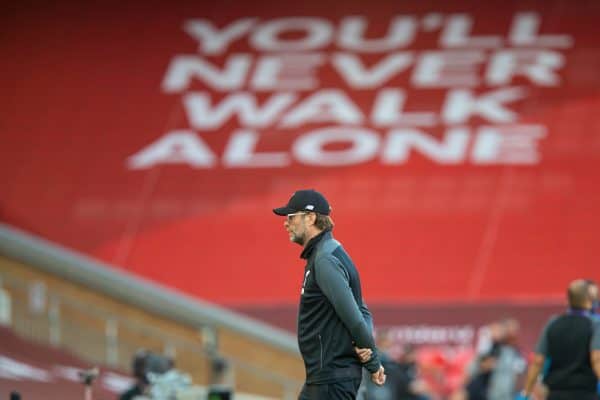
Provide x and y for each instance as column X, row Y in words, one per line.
column 458, row 145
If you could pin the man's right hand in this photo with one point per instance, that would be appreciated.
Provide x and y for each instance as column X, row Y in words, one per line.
column 364, row 355
column 378, row 377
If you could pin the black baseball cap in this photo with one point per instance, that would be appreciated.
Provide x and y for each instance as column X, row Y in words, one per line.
column 305, row 200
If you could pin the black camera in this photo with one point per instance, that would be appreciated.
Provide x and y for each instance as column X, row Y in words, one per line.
column 87, row 376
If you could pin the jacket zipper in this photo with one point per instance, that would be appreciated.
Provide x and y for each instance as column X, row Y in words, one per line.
column 321, row 350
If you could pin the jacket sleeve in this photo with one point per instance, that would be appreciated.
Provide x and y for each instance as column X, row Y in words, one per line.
column 334, row 283
column 367, row 316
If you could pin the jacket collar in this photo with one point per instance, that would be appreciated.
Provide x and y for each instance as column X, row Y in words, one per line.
column 579, row 311
column 312, row 243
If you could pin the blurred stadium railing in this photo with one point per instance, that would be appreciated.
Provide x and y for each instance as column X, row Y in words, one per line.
column 104, row 315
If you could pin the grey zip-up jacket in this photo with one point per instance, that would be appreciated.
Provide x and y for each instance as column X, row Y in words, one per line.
column 332, row 317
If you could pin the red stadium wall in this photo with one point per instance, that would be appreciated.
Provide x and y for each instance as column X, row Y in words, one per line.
column 458, row 142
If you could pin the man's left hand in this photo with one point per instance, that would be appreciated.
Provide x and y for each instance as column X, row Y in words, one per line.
column 379, row 377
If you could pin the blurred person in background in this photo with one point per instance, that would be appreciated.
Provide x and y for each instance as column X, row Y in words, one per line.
column 333, row 320
column 477, row 387
column 489, row 337
column 408, row 384
column 479, row 370
column 220, row 387
column 369, row 390
column 403, row 381
column 595, row 296
column 143, row 363
column 138, row 369
column 509, row 363
column 478, row 377
column 571, row 344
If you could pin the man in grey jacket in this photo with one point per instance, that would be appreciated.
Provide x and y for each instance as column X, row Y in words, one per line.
column 334, row 324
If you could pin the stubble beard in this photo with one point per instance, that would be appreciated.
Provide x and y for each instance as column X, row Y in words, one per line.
column 297, row 238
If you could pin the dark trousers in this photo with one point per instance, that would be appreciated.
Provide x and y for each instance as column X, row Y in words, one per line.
column 342, row 390
column 560, row 395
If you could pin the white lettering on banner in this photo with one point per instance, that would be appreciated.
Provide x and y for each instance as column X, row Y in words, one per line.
column 352, row 69
column 317, row 34
column 66, row 372
column 462, row 104
column 524, row 32
column 388, row 110
column 204, row 117
column 287, row 72
column 324, row 106
column 310, row 148
column 240, row 153
column 487, row 145
column 428, row 69
column 539, row 66
column 432, row 22
column 178, row 147
column 378, row 93
column 400, row 34
column 448, row 69
column 116, row 383
column 431, row 334
column 515, row 145
column 452, row 149
column 320, row 33
column 457, row 30
column 331, row 105
column 183, row 68
column 213, row 41
column 16, row 370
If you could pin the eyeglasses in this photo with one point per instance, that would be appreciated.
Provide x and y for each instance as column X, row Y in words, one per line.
column 291, row 216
